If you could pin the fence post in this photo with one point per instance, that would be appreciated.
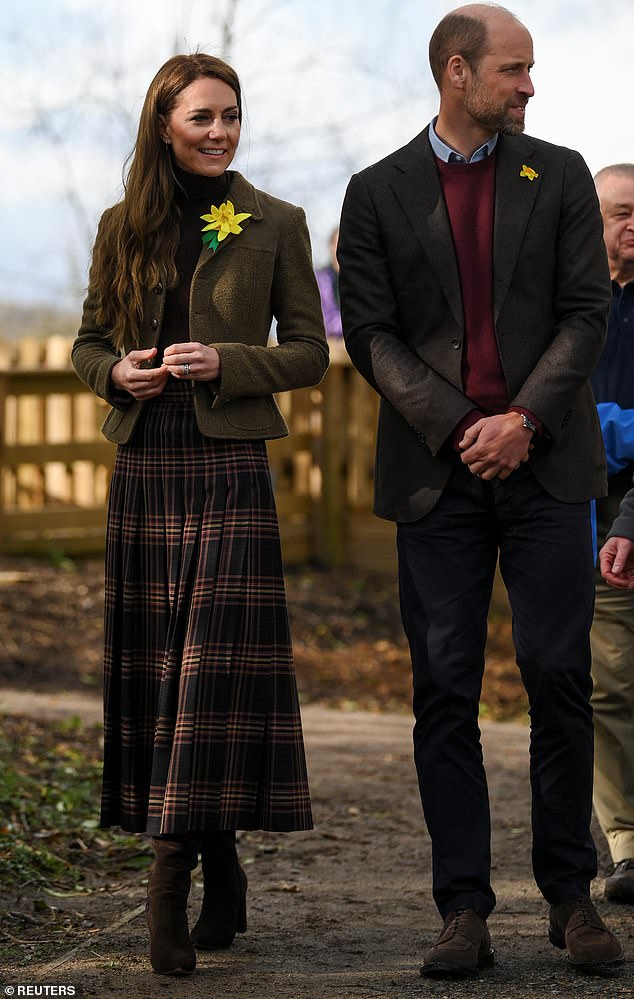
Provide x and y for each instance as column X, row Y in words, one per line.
column 3, row 406
column 54, row 463
column 332, row 508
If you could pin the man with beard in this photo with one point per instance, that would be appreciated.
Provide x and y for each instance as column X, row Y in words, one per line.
column 475, row 291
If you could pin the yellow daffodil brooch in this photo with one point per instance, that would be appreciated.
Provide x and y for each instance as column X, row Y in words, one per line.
column 221, row 221
column 527, row 171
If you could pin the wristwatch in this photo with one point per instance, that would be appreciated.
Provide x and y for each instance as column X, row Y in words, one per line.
column 528, row 424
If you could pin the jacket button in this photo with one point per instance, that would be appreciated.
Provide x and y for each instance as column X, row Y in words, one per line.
column 154, row 324
column 159, row 288
column 456, row 344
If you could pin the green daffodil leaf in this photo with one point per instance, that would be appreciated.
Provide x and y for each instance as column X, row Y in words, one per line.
column 210, row 240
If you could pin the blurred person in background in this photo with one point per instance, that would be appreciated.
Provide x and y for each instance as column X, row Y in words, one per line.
column 612, row 635
column 328, row 282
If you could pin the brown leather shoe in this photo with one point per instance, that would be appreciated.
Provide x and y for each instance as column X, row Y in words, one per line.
column 576, row 926
column 619, row 883
column 463, row 947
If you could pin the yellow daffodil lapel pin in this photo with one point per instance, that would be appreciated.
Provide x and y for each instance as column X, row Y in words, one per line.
column 221, row 221
column 527, row 171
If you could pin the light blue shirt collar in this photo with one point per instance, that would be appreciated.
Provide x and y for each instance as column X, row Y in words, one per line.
column 449, row 155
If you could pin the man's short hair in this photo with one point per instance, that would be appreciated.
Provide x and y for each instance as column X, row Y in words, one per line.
column 615, row 170
column 460, row 34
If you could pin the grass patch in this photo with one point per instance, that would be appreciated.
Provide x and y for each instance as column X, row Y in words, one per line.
column 52, row 852
column 50, row 779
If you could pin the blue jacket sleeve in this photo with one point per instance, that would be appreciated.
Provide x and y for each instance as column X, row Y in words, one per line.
column 617, row 427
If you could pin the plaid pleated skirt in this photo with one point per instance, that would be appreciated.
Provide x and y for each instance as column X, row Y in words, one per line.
column 201, row 722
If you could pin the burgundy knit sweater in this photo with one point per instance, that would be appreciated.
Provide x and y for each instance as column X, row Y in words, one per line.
column 469, row 190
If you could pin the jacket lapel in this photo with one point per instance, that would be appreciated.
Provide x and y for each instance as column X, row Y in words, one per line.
column 416, row 184
column 244, row 198
column 515, row 195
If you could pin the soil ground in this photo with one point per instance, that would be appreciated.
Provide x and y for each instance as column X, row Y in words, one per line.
column 348, row 641
column 342, row 912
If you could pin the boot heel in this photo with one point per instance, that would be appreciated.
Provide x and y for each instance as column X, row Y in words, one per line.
column 241, row 921
column 556, row 940
column 224, row 908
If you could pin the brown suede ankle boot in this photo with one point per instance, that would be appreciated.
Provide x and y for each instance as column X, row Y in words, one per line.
column 171, row 949
column 224, row 908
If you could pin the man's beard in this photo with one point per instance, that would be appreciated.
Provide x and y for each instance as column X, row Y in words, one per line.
column 483, row 109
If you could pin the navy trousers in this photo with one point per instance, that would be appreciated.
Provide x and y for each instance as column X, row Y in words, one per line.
column 447, row 562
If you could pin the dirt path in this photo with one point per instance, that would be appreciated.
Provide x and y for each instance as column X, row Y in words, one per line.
column 343, row 912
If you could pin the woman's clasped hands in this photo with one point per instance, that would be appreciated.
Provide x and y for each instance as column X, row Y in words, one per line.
column 190, row 361
column 195, row 361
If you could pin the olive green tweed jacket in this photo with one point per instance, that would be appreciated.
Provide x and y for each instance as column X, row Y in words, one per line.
column 263, row 272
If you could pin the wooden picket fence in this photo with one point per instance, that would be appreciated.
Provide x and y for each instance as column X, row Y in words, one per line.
column 55, row 464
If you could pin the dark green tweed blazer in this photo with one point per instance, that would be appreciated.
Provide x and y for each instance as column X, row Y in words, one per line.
column 263, row 272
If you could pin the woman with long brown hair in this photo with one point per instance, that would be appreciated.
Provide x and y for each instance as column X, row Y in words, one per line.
column 202, row 727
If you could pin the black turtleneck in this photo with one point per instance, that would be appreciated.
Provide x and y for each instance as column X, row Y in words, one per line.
column 194, row 195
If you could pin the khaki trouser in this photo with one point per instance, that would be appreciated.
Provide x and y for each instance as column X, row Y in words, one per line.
column 612, row 640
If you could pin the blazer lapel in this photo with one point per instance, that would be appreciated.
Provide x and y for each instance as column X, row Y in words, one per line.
column 244, row 198
column 416, row 184
column 515, row 195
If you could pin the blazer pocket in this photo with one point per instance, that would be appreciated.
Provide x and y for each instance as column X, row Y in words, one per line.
column 119, row 423
column 113, row 421
column 256, row 413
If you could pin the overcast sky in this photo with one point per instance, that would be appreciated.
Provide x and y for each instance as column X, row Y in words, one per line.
column 330, row 86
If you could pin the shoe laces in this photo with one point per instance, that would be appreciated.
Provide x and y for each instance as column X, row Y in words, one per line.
column 587, row 909
column 453, row 925
column 589, row 915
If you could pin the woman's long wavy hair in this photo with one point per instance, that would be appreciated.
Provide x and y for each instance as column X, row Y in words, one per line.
column 138, row 237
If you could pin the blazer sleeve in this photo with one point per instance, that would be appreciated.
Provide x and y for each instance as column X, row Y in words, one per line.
column 430, row 404
column 623, row 526
column 581, row 305
column 300, row 357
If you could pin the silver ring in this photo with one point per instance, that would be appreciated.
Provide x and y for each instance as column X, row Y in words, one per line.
column 186, row 369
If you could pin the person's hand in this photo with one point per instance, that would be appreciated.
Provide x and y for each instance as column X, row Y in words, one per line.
column 616, row 560
column 130, row 374
column 496, row 446
column 193, row 361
